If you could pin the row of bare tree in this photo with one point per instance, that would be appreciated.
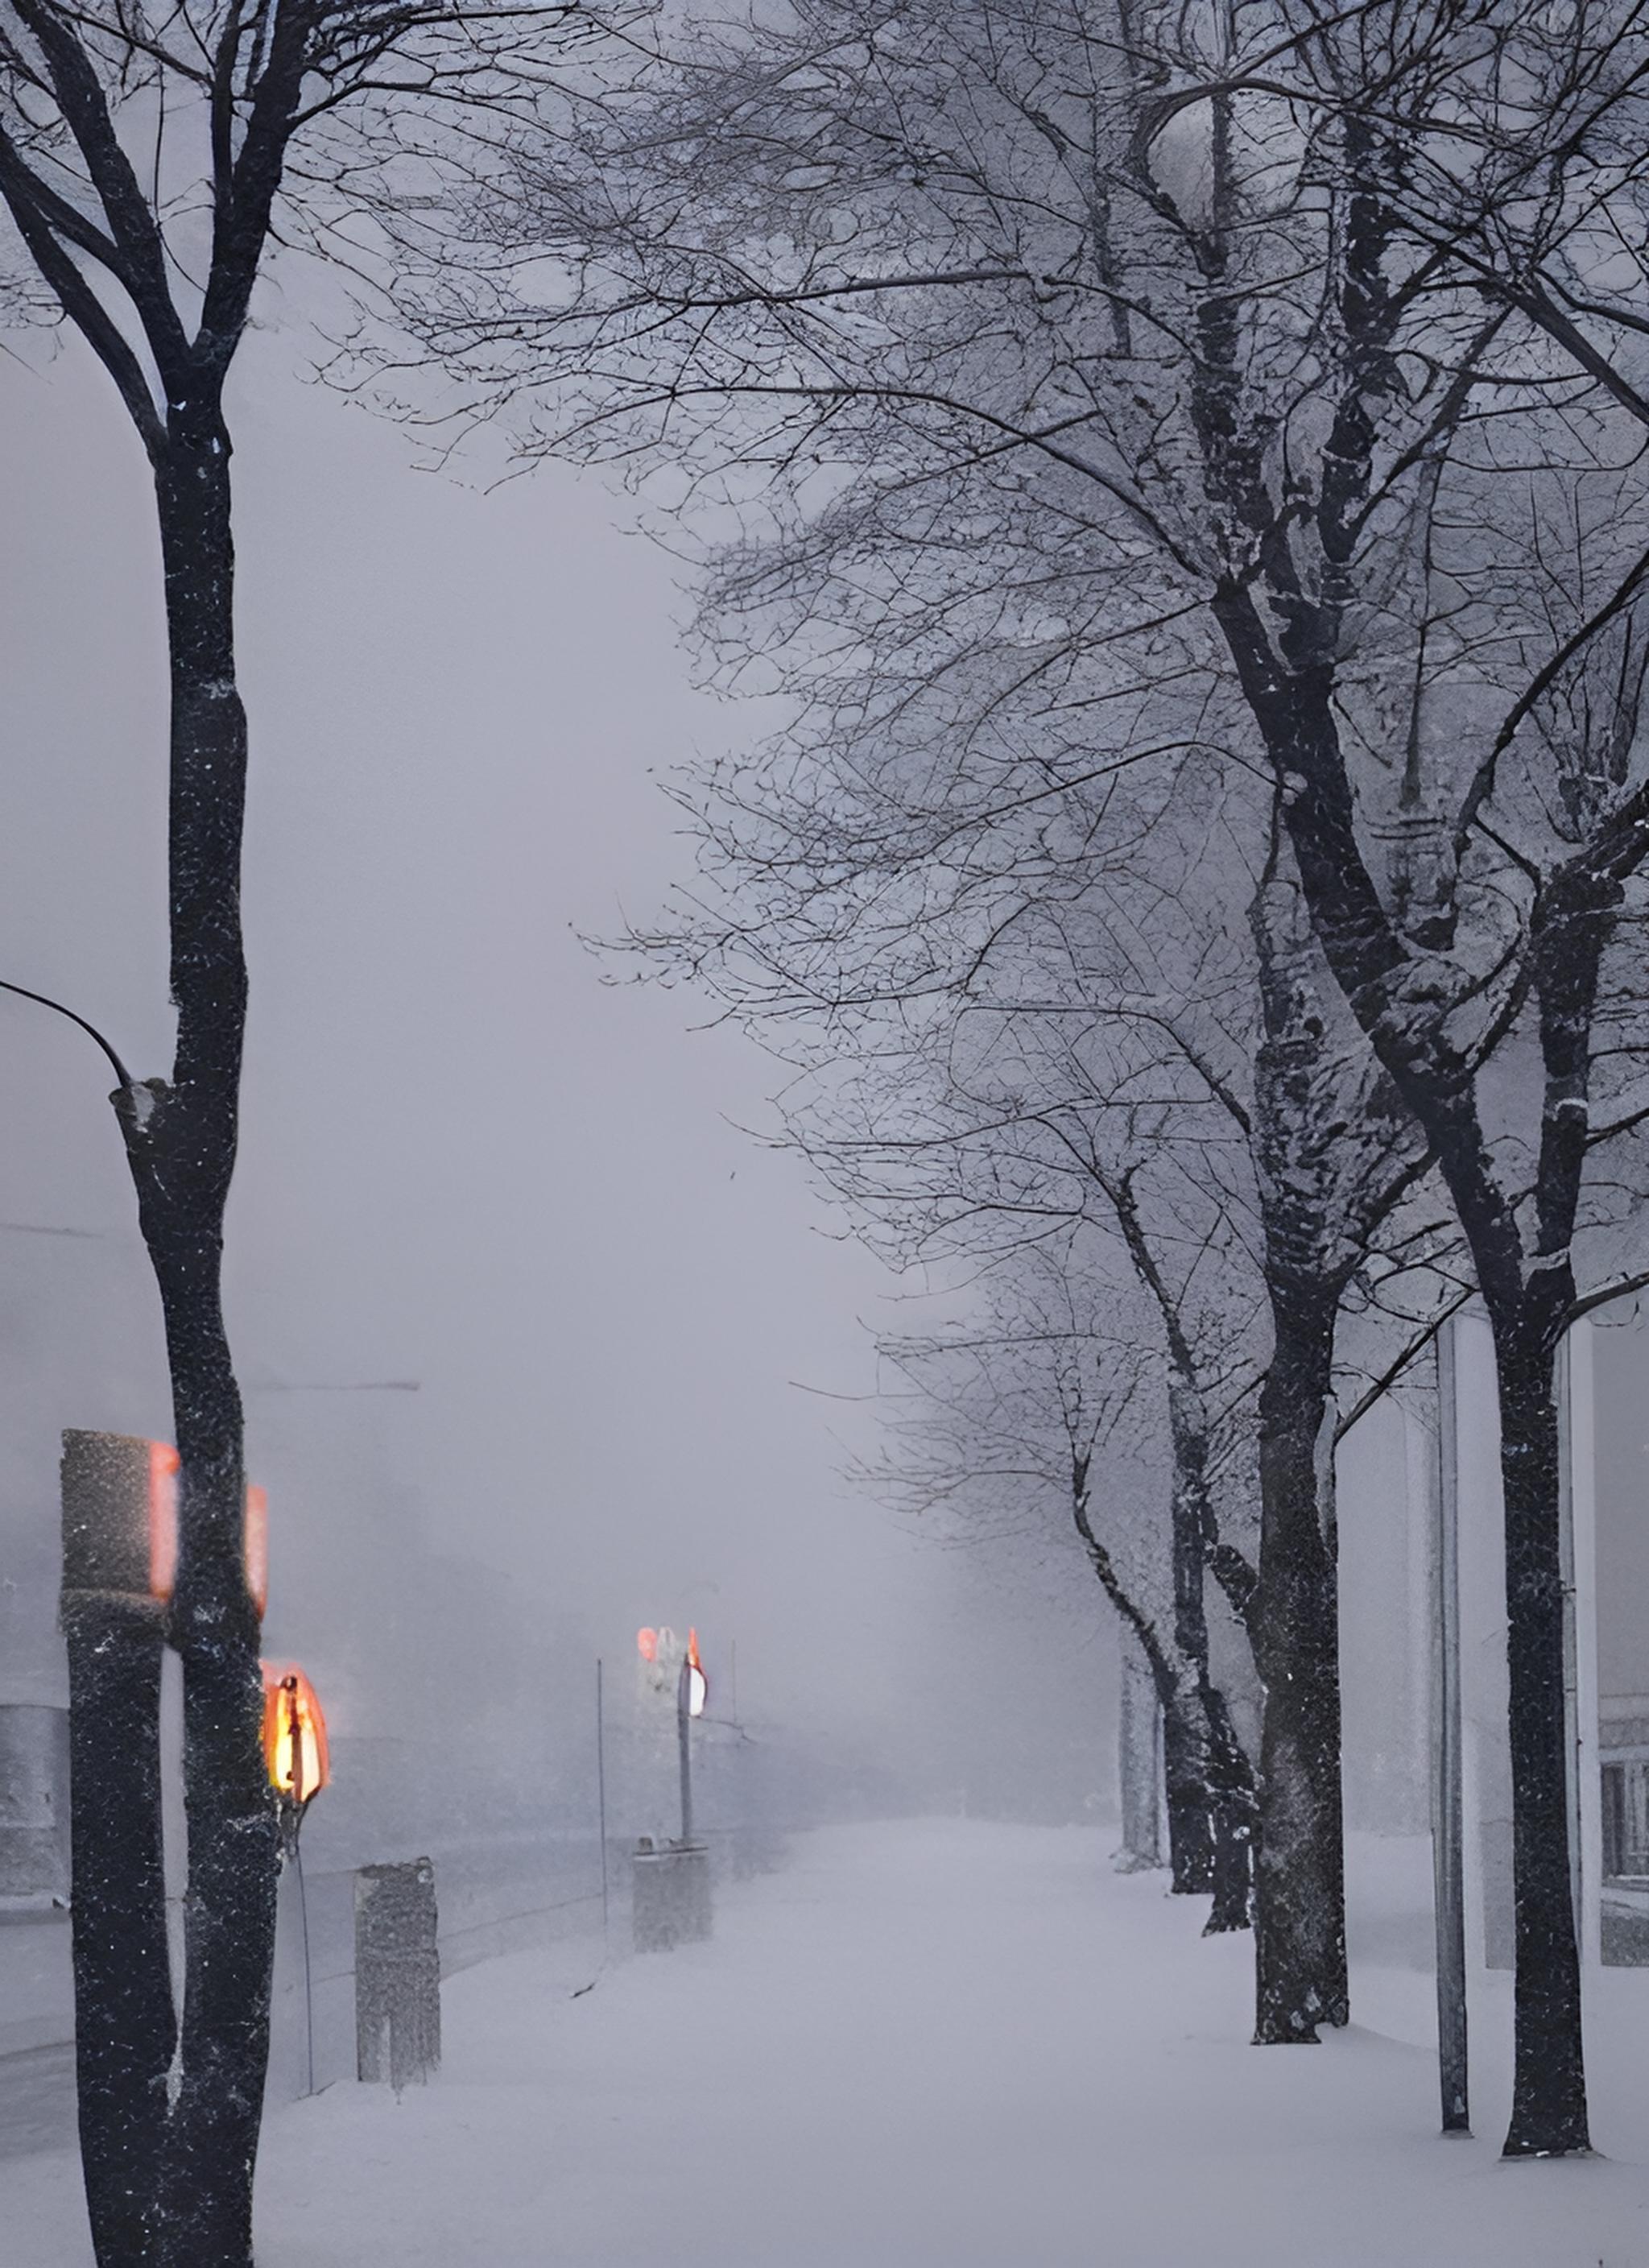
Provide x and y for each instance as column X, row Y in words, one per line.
column 1185, row 467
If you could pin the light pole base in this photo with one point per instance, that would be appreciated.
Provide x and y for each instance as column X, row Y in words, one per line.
column 672, row 1902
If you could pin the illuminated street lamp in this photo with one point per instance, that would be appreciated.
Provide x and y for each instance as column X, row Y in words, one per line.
column 294, row 1740
column 671, row 1904
column 295, row 1753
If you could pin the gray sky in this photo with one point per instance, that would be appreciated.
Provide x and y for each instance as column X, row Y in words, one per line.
column 466, row 1162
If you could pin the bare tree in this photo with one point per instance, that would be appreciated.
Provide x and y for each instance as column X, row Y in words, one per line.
column 1092, row 1028
column 1036, row 1416
column 1013, row 1102
column 1440, row 968
column 150, row 160
column 1280, row 349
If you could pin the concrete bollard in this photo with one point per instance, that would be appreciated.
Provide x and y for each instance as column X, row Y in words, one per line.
column 397, row 1973
column 672, row 1895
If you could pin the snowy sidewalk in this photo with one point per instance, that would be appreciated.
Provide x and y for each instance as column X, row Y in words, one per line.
column 929, row 2045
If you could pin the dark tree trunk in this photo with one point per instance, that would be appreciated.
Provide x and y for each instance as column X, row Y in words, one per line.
column 1207, row 1786
column 1210, row 1791
column 1189, row 1762
column 1227, row 1831
column 180, row 1141
column 1300, row 1875
column 1232, row 1789
column 1550, row 2109
column 1187, row 1794
column 1210, row 1832
column 1528, row 1294
column 1334, row 1150
column 1530, row 1313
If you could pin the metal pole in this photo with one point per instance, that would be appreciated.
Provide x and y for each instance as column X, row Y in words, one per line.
column 303, row 1915
column 1447, row 1821
column 601, row 1789
column 1565, row 1384
column 683, row 1728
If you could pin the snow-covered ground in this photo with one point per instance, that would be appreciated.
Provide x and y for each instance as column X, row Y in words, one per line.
column 940, row 2043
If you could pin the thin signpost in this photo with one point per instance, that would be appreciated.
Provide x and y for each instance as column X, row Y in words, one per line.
column 684, row 1742
column 600, row 1791
column 1447, row 1824
column 309, row 1987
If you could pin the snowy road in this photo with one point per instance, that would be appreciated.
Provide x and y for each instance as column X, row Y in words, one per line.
column 929, row 2045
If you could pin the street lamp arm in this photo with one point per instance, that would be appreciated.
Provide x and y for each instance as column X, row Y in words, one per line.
column 23, row 992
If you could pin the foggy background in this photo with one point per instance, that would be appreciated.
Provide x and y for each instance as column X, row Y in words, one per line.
column 538, row 1345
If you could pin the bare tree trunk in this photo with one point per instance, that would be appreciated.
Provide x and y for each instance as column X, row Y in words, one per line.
column 1188, row 1798
column 1334, row 1150
column 1550, row 2113
column 1139, row 1764
column 1528, row 1294
column 180, row 1141
column 1529, row 1310
column 1209, row 1780
column 1207, row 1786
column 1231, row 1788
column 1225, row 1829
column 1299, row 1875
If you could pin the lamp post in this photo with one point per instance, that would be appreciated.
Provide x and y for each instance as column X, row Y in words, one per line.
column 1447, row 1814
column 671, row 1904
column 295, row 1751
column 294, row 1741
column 691, row 1690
